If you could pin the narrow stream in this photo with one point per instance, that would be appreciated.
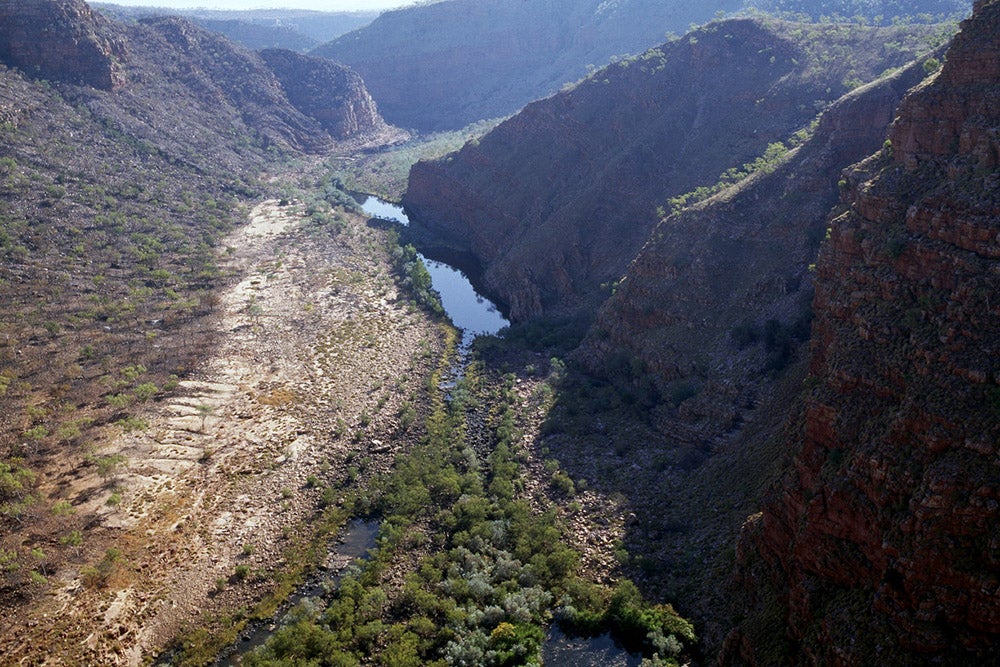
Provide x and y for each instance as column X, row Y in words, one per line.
column 356, row 538
column 475, row 314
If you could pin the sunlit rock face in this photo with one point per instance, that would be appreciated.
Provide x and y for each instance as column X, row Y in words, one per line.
column 62, row 40
column 332, row 94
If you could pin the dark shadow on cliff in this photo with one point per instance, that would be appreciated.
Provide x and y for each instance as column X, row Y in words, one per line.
column 683, row 499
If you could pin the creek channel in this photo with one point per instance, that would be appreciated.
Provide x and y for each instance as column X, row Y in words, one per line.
column 474, row 315
column 353, row 544
column 468, row 310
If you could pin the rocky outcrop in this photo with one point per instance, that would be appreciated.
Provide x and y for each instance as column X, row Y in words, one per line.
column 332, row 94
column 234, row 76
column 718, row 300
column 443, row 65
column 61, row 40
column 558, row 200
column 880, row 543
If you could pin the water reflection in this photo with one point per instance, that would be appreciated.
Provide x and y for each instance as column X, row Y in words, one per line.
column 468, row 310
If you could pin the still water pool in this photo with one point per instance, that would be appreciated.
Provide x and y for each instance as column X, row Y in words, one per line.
column 468, row 310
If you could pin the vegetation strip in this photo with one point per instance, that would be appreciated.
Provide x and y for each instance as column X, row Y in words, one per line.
column 465, row 571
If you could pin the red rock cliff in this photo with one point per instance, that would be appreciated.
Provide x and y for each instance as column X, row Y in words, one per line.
column 61, row 40
column 556, row 201
column 881, row 545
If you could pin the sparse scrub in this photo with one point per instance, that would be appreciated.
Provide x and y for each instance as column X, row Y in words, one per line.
column 490, row 571
column 765, row 164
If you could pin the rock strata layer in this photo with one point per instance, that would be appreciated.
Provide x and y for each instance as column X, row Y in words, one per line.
column 880, row 544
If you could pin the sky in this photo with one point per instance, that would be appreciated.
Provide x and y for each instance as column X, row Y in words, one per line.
column 320, row 5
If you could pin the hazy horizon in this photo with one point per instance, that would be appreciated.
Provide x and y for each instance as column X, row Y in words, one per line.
column 316, row 5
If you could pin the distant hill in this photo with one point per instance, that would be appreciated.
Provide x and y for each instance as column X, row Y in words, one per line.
column 294, row 29
column 444, row 65
column 882, row 10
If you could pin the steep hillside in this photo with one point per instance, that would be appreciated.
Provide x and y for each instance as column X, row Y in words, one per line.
column 880, row 543
column 126, row 155
column 717, row 301
column 555, row 202
column 444, row 65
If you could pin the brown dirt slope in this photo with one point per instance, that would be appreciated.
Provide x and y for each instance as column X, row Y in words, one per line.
column 314, row 355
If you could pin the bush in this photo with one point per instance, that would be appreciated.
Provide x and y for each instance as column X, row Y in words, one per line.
column 634, row 621
column 563, row 484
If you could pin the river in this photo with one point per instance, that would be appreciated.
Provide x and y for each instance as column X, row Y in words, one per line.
column 469, row 311
column 474, row 315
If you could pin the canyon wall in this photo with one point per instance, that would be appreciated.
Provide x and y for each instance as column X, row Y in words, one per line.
column 880, row 544
column 557, row 201
column 719, row 299
column 61, row 40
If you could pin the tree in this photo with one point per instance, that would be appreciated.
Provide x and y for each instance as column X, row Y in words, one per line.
column 72, row 539
column 204, row 411
column 108, row 466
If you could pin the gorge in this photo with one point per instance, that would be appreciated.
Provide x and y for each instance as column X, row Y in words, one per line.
column 743, row 411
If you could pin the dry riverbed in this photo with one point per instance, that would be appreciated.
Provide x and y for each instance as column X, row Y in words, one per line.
column 315, row 355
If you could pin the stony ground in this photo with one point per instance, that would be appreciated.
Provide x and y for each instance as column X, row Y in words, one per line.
column 315, row 354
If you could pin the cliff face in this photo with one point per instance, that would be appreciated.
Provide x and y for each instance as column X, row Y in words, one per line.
column 719, row 298
column 444, row 65
column 332, row 94
column 315, row 104
column 880, row 544
column 556, row 201
column 61, row 40
column 232, row 76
